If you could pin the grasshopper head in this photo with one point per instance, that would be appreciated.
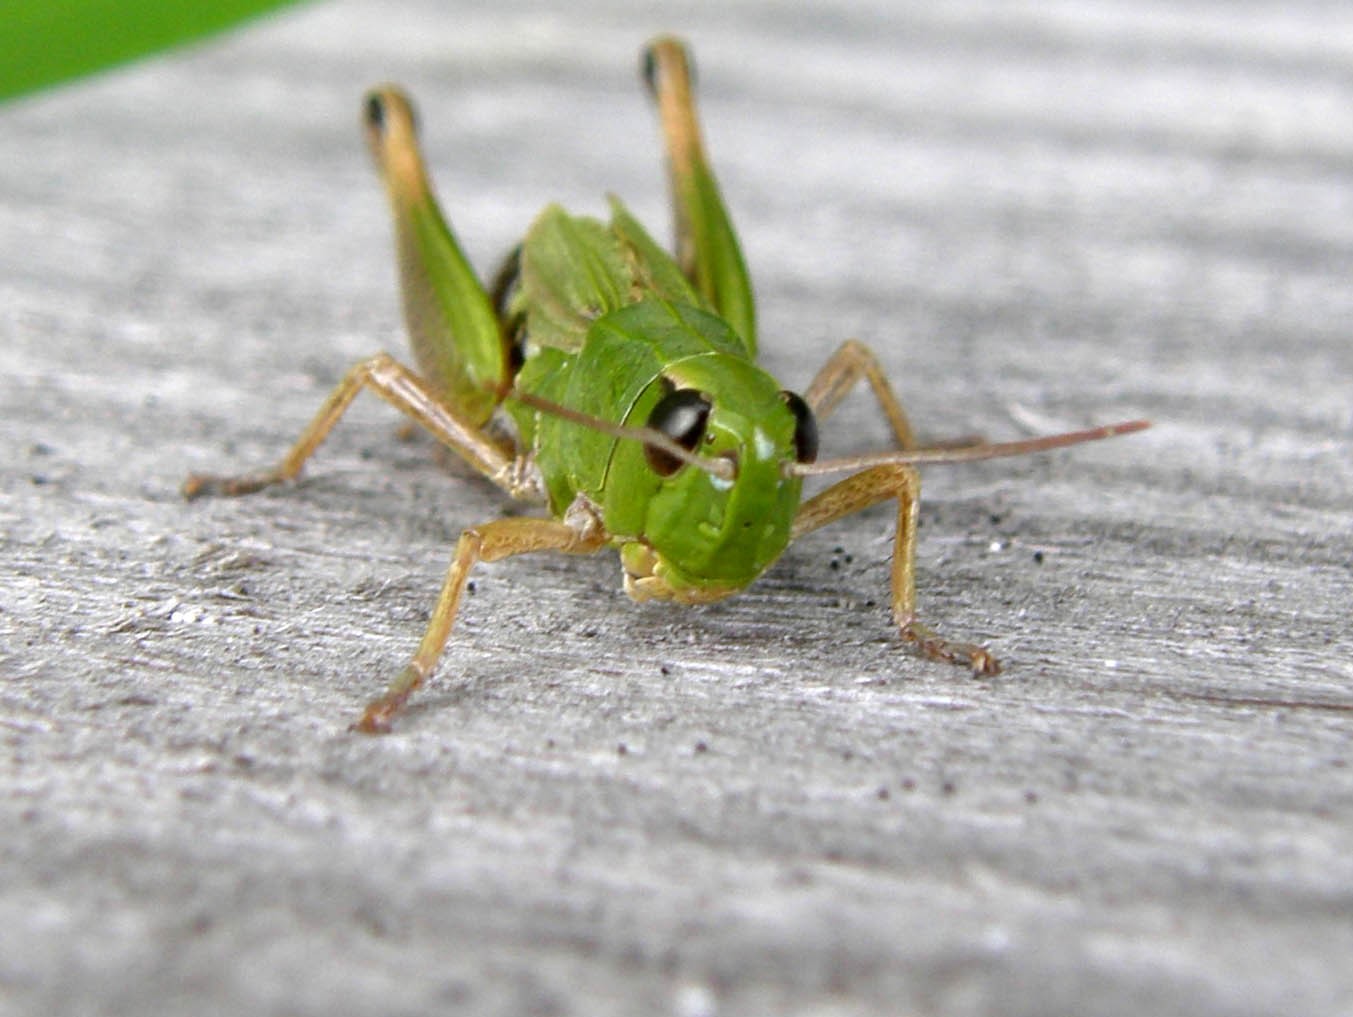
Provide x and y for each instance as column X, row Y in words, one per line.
column 700, row 534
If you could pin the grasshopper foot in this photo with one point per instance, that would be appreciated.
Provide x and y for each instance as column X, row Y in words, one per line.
column 380, row 711
column 375, row 718
column 936, row 647
column 202, row 485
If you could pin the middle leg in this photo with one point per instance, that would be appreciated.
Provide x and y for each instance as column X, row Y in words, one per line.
column 852, row 361
column 869, row 487
column 405, row 391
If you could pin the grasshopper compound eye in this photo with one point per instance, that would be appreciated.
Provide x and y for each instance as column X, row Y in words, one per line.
column 805, row 427
column 681, row 415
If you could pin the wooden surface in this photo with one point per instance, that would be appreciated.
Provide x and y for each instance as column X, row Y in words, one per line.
column 1041, row 216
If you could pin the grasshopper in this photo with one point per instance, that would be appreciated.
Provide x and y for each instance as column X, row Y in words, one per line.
column 617, row 385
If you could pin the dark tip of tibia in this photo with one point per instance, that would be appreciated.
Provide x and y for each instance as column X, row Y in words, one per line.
column 375, row 111
column 649, row 69
column 651, row 66
column 387, row 110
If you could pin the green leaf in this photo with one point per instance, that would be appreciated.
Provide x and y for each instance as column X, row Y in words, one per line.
column 43, row 42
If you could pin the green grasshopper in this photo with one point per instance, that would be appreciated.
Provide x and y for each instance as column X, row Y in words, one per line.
column 628, row 380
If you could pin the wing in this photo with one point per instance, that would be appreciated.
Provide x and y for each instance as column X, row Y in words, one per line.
column 574, row 269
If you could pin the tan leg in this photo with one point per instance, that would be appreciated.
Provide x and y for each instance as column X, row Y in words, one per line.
column 404, row 390
column 843, row 369
column 867, row 488
column 490, row 542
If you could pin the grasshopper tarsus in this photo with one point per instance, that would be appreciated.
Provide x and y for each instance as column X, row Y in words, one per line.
column 375, row 720
column 933, row 646
column 380, row 712
column 983, row 663
column 211, row 485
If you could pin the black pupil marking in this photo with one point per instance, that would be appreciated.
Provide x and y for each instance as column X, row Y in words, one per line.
column 681, row 415
column 805, row 427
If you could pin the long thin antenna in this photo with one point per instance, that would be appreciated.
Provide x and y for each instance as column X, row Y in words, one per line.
column 964, row 453
column 715, row 467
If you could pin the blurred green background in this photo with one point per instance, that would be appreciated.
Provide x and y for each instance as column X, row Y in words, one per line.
column 43, row 42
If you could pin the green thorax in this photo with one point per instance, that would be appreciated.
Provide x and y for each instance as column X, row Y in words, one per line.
column 603, row 310
column 611, row 326
column 623, row 354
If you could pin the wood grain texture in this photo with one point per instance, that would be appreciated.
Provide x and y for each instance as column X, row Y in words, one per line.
column 1041, row 216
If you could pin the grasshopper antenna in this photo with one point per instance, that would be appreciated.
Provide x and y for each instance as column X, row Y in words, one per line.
column 964, row 453
column 720, row 467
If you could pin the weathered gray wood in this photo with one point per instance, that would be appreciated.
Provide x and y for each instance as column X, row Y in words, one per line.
column 1041, row 216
